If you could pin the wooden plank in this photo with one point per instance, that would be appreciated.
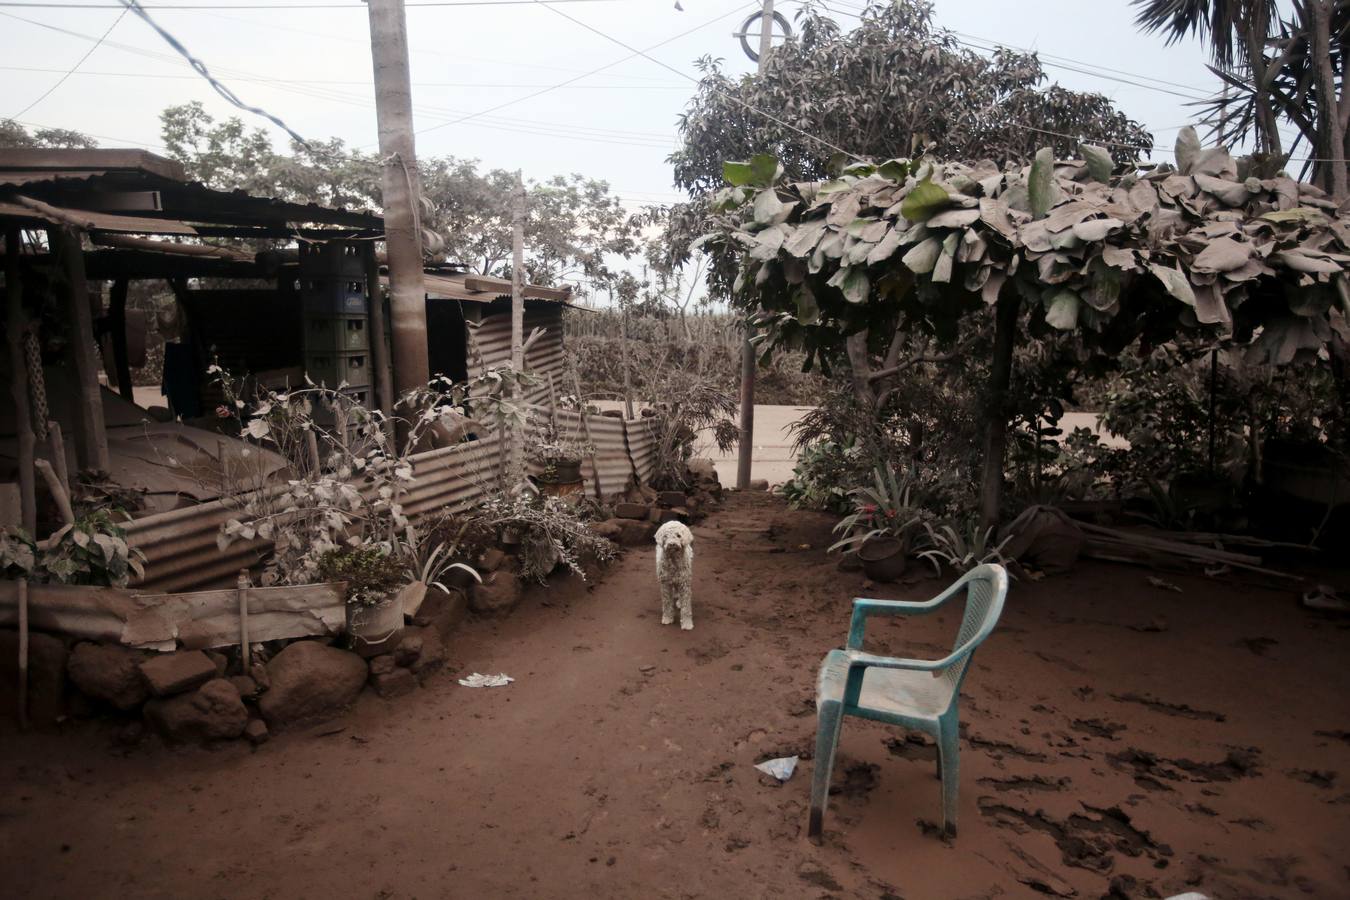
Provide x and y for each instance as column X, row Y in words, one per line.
column 81, row 163
column 502, row 288
column 91, row 436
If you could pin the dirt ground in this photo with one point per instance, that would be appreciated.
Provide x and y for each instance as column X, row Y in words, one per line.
column 1121, row 741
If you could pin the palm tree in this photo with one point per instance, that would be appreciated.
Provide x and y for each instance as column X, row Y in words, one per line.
column 1237, row 32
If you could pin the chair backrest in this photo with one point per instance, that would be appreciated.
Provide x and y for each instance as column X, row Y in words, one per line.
column 986, row 588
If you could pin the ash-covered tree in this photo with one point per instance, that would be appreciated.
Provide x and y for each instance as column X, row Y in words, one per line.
column 896, row 85
column 574, row 224
column 15, row 136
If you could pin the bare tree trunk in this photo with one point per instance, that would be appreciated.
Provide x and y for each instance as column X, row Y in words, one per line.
column 1267, row 133
column 996, row 411
column 515, row 473
column 1330, row 172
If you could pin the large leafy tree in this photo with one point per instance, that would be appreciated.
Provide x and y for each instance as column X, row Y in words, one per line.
column 574, row 223
column 14, row 135
column 893, row 86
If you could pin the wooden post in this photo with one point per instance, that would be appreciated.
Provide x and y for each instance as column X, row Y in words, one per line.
column 745, row 451
column 379, row 347
column 243, row 585
column 623, row 351
column 15, row 325
column 91, row 437
column 23, row 653
column 995, row 414
column 516, row 450
column 117, row 324
column 56, row 445
column 401, row 183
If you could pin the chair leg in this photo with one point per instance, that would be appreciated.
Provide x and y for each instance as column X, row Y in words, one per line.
column 829, row 719
column 949, row 767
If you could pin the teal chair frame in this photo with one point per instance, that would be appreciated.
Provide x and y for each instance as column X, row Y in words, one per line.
column 921, row 695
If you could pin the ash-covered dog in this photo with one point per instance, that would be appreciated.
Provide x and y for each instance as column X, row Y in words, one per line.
column 675, row 572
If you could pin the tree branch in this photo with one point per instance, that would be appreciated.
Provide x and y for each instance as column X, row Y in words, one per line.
column 900, row 367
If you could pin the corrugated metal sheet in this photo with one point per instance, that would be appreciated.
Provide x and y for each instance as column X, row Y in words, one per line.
column 490, row 346
column 642, row 446
column 180, row 545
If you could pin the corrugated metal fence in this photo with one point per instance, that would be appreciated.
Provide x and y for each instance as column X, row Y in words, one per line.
column 180, row 545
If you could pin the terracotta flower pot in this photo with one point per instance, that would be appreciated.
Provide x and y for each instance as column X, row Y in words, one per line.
column 883, row 558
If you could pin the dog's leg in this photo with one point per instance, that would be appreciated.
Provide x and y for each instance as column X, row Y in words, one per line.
column 667, row 603
column 687, row 591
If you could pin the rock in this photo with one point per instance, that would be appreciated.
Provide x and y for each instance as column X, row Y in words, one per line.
column 704, row 471
column 310, row 681
column 108, row 672
column 174, row 673
column 671, row 498
column 46, row 676
column 636, row 511
column 759, row 484
column 221, row 661
column 432, row 658
column 246, row 686
column 256, row 732
column 443, row 610
column 394, row 683
column 608, row 529
column 635, row 534
column 491, row 560
column 678, row 514
column 382, row 665
column 497, row 595
column 258, row 672
column 213, row 712
column 408, row 649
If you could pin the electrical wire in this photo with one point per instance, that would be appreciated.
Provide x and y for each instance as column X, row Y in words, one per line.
column 271, row 6
column 200, row 67
column 644, row 54
column 635, row 53
column 71, row 71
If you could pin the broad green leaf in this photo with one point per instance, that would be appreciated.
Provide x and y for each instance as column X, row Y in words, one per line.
column 923, row 200
column 885, row 249
column 1041, row 183
column 942, row 269
column 1100, row 165
column 852, row 280
column 1187, row 149
column 1062, row 312
column 894, row 169
column 769, row 210
column 761, row 171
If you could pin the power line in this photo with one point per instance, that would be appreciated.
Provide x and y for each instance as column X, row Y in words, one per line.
column 596, row 71
column 271, row 6
column 354, row 82
column 71, row 71
column 201, row 69
column 644, row 54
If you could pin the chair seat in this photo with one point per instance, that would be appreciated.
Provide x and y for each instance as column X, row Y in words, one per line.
column 902, row 693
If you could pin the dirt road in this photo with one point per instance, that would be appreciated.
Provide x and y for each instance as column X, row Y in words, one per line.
column 1119, row 738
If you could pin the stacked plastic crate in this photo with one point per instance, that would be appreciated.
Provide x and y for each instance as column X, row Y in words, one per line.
column 337, row 324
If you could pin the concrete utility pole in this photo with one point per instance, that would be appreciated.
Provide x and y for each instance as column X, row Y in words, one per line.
column 746, row 449
column 515, row 473
column 402, row 185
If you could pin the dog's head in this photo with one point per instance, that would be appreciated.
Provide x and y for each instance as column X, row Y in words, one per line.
column 673, row 536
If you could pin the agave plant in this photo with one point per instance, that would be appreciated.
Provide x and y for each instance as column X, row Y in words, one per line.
column 880, row 509
column 963, row 552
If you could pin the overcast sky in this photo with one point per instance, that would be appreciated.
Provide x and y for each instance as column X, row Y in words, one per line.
column 312, row 68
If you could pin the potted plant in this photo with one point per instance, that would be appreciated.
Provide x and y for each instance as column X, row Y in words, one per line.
column 558, row 453
column 881, row 526
column 374, row 607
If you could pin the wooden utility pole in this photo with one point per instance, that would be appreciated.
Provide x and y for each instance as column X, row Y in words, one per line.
column 516, row 456
column 401, row 185
column 746, row 449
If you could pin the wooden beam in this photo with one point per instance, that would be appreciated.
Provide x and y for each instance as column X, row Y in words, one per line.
column 502, row 287
column 78, row 162
column 379, row 347
column 91, row 436
column 15, row 326
column 117, row 323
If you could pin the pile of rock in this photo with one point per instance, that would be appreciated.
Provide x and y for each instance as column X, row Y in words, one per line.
column 643, row 509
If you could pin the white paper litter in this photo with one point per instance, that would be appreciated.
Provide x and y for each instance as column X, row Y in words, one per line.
column 781, row 768
column 476, row 680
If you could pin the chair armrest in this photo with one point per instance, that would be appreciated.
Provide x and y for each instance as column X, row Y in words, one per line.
column 863, row 607
column 871, row 660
